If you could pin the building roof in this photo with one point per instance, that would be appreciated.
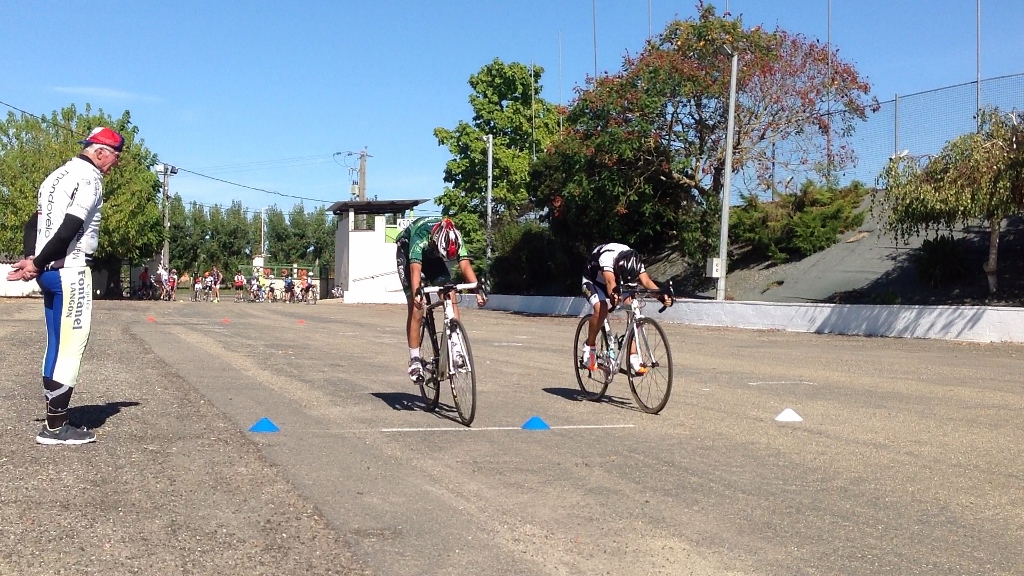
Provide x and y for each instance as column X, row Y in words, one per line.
column 374, row 206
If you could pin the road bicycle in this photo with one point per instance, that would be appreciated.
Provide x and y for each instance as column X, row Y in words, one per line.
column 311, row 295
column 446, row 355
column 140, row 292
column 651, row 384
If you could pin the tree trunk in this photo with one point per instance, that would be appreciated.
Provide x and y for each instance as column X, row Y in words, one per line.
column 993, row 253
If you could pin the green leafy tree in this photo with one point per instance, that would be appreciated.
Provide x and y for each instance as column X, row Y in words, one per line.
column 197, row 238
column 31, row 148
column 256, row 222
column 642, row 157
column 216, row 239
column 299, row 241
column 180, row 253
column 507, row 105
column 237, row 241
column 278, row 236
column 321, row 239
column 977, row 176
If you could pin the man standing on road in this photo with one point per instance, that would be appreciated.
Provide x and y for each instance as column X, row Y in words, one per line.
column 60, row 239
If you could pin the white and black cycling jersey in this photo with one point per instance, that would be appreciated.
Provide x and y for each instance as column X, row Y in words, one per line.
column 76, row 188
column 603, row 258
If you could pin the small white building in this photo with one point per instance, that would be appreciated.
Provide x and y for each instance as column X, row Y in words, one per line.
column 364, row 253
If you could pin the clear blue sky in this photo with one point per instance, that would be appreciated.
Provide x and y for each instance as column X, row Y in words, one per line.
column 263, row 93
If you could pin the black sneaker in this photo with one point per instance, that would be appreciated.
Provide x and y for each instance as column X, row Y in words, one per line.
column 66, row 434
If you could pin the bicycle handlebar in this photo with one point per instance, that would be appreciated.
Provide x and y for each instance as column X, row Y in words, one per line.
column 631, row 292
column 449, row 288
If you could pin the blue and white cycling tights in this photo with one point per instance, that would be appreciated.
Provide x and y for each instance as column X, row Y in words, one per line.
column 67, row 303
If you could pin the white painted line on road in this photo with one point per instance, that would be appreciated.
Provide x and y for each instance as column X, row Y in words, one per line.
column 459, row 429
column 508, row 343
column 463, row 428
column 448, row 429
column 781, row 382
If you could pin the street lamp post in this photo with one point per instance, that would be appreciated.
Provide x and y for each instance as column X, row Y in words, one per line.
column 490, row 168
column 723, row 241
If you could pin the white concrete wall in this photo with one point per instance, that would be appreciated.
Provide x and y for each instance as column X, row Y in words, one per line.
column 365, row 264
column 16, row 288
column 971, row 323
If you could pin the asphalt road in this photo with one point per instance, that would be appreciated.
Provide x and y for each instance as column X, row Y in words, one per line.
column 907, row 460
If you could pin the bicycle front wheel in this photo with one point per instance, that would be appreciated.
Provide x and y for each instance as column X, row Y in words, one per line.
column 652, row 383
column 463, row 373
column 430, row 387
column 593, row 383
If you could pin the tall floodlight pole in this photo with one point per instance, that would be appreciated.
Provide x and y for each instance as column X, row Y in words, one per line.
column 559, row 80
column 595, row 39
column 828, row 96
column 723, row 240
column 490, row 170
column 978, row 65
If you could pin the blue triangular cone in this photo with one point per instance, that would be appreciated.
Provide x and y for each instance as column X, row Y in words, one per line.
column 536, row 423
column 264, row 425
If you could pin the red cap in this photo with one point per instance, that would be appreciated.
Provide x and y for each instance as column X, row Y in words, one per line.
column 105, row 137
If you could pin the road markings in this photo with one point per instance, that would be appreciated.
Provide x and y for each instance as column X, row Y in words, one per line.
column 463, row 428
column 459, row 429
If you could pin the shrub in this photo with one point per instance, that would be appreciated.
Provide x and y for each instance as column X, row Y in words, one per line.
column 799, row 224
column 940, row 261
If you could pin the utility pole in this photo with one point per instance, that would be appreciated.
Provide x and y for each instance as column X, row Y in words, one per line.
column 362, row 175
column 166, row 170
column 361, row 218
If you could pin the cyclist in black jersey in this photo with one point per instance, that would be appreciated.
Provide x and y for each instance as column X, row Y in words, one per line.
column 608, row 267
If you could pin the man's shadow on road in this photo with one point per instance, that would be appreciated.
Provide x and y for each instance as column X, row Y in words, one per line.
column 94, row 416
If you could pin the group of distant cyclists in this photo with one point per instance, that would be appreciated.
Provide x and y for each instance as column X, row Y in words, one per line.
column 205, row 286
column 262, row 288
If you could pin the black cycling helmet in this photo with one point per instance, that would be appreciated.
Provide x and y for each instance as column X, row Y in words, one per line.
column 628, row 266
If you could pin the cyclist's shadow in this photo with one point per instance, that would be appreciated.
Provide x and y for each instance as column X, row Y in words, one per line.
column 408, row 401
column 577, row 395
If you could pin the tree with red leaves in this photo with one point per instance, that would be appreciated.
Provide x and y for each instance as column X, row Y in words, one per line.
column 641, row 158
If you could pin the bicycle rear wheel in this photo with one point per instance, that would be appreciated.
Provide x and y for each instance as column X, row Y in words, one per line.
column 652, row 387
column 430, row 387
column 593, row 383
column 463, row 373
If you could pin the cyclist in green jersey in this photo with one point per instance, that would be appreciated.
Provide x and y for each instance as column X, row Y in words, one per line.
column 423, row 252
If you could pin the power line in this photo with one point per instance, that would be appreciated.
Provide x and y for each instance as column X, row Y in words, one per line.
column 193, row 172
column 331, row 157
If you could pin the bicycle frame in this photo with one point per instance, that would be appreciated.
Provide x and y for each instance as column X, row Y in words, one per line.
column 617, row 343
column 444, row 299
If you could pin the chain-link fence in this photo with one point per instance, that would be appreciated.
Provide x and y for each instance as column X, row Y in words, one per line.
column 922, row 123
